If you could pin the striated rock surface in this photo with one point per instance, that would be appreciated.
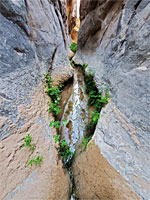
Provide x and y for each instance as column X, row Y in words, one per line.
column 71, row 13
column 73, row 19
column 96, row 179
column 116, row 46
column 114, row 39
column 33, row 41
column 19, row 181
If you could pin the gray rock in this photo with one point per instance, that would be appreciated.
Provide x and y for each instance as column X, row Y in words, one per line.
column 33, row 41
column 17, row 67
column 119, row 53
column 30, row 45
column 16, row 12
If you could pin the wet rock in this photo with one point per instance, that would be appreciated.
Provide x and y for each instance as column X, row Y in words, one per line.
column 76, row 112
column 118, row 53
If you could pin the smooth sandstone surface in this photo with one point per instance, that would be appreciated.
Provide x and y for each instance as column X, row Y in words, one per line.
column 33, row 41
column 114, row 39
column 116, row 46
column 96, row 179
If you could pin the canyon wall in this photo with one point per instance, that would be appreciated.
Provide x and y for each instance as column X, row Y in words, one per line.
column 114, row 39
column 33, row 41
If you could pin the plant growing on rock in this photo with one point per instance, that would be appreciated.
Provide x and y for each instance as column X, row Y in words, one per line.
column 85, row 141
column 57, row 138
column 72, row 64
column 73, row 47
column 58, row 124
column 64, row 151
column 37, row 161
column 54, row 93
column 96, row 98
column 84, row 66
column 28, row 143
column 95, row 116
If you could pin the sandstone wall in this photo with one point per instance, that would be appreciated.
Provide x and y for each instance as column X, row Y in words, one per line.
column 114, row 39
column 72, row 14
column 96, row 179
column 33, row 41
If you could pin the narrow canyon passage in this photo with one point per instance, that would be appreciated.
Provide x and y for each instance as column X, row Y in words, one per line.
column 76, row 112
column 74, row 100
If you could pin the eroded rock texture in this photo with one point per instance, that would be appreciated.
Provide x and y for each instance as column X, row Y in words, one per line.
column 33, row 41
column 96, row 179
column 116, row 46
column 72, row 14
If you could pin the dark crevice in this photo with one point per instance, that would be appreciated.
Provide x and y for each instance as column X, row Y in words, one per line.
column 42, row 3
column 122, row 42
column 119, row 24
column 19, row 50
column 95, row 104
column 104, row 34
column 23, row 28
column 131, row 18
column 52, row 60
column 134, row 12
column 137, row 4
column 62, row 11
column 25, row 2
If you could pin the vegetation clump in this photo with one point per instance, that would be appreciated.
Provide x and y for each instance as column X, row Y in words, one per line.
column 85, row 141
column 96, row 100
column 64, row 151
column 54, row 93
column 84, row 66
column 27, row 143
column 37, row 161
column 73, row 47
column 58, row 124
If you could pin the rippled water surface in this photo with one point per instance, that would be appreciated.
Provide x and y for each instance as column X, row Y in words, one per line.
column 76, row 112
